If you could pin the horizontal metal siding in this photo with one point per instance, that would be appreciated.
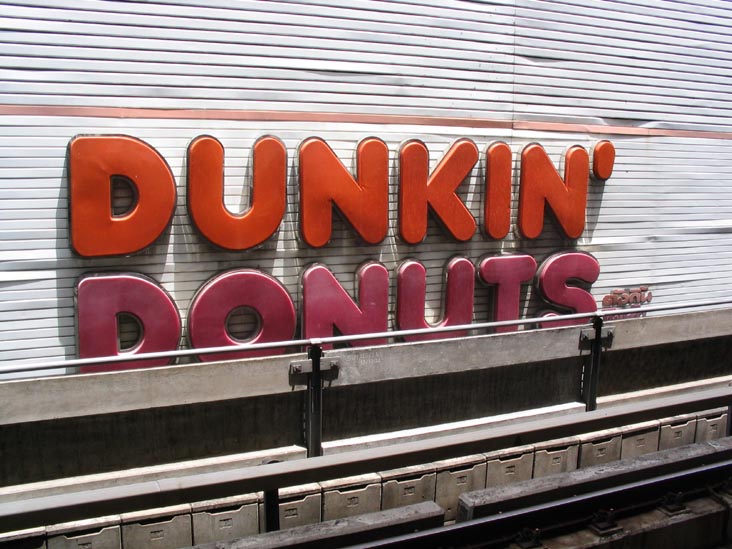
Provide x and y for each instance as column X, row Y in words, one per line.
column 290, row 58
column 662, row 220
column 607, row 61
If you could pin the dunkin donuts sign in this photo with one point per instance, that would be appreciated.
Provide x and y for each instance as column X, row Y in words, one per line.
column 324, row 184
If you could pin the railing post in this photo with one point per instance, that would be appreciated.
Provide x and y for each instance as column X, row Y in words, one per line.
column 314, row 416
column 593, row 372
column 271, row 505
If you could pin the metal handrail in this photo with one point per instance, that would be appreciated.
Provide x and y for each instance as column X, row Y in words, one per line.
column 305, row 343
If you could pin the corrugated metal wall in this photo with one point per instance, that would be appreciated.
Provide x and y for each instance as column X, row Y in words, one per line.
column 655, row 79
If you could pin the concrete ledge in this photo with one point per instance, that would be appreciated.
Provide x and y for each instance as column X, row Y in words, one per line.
column 345, row 531
column 9, row 494
column 421, row 433
column 668, row 390
column 112, row 392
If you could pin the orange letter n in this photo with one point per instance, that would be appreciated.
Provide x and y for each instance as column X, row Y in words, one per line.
column 325, row 182
column 541, row 184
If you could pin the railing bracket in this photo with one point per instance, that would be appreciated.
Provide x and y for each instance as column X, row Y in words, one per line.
column 587, row 337
column 300, row 369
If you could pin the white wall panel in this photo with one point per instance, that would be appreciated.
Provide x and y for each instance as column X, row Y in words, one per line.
column 598, row 41
column 601, row 70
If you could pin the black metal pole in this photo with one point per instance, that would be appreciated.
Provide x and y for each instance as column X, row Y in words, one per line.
column 314, row 429
column 271, row 510
column 596, row 356
column 271, row 505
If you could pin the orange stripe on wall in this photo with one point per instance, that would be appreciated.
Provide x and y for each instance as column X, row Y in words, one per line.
column 358, row 118
column 272, row 116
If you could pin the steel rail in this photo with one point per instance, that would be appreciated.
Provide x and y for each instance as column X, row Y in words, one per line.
column 39, row 510
column 559, row 515
column 305, row 343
